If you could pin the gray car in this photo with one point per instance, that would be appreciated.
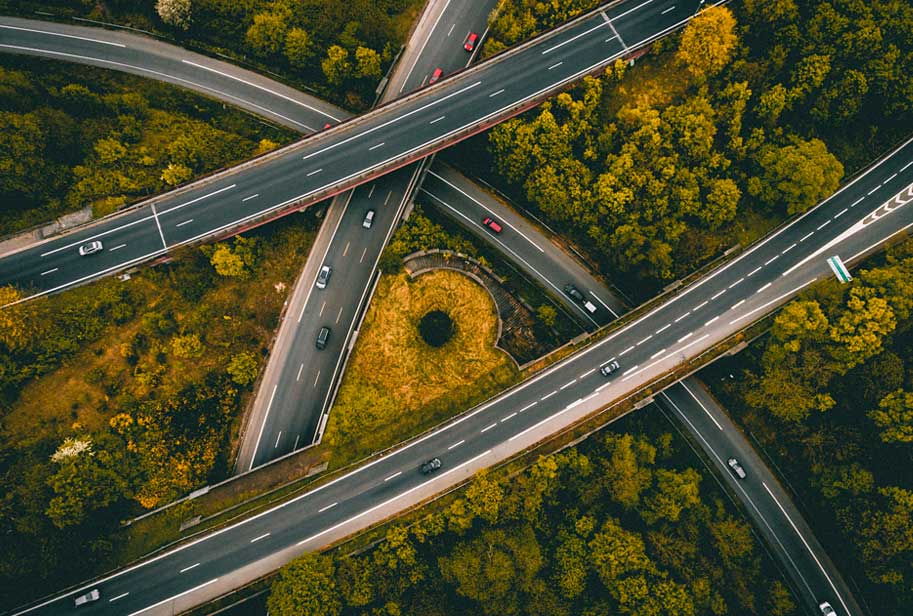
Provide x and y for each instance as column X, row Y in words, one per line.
column 324, row 276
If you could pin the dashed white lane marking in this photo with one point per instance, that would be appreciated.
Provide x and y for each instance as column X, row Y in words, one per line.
column 118, row 247
column 436, row 120
column 263, row 536
column 788, row 249
column 394, row 475
column 644, row 340
column 295, row 446
column 278, row 436
column 317, row 378
column 322, row 308
column 587, row 373
column 494, row 94
column 573, row 38
column 487, row 428
column 345, row 250
column 511, row 416
column 627, row 350
column 371, row 192
column 754, row 271
column 769, row 261
column 120, row 596
column 857, row 201
column 528, row 406
column 249, row 198
column 891, row 177
column 315, row 172
column 739, row 281
column 668, row 10
column 547, row 396
column 339, row 314
column 737, row 304
column 658, row 353
column 664, row 358
column 663, row 328
column 681, row 317
column 389, row 194
column 764, row 287
column 363, row 253
column 840, row 213
column 374, row 147
column 189, row 568
column 822, row 225
column 300, row 368
column 555, row 65
column 711, row 320
column 449, row 32
column 457, row 444
column 330, row 506
column 568, row 384
column 699, row 306
column 806, row 236
column 629, row 370
column 873, row 190
column 773, row 301
column 186, row 222
column 905, row 167
column 685, row 337
column 50, row 271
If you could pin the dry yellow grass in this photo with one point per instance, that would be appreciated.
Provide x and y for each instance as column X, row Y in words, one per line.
column 396, row 384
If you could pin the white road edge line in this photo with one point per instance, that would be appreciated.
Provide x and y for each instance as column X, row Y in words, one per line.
column 163, row 601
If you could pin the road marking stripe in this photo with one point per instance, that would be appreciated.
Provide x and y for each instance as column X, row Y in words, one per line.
column 840, row 213
column 316, row 171
column 658, row 353
column 528, row 406
column 824, row 224
column 547, row 396
column 194, row 566
column 50, row 271
column 736, row 282
column 120, row 596
column 186, row 222
column 587, row 373
column 773, row 301
column 716, row 295
column 857, row 201
column 668, row 10
column 536, row 425
column 394, row 475
column 685, row 337
column 662, row 359
column 436, row 120
column 737, row 304
column 249, row 198
column 574, row 38
column 156, row 218
column 664, row 328
column 374, row 147
column 791, row 246
column 629, row 370
column 706, row 323
column 487, row 428
column 494, row 94
column 769, row 261
column 263, row 536
column 699, row 306
column 568, row 384
column 630, row 348
column 555, row 65
column 278, row 436
column 873, row 190
column 511, row 416
column 644, row 340
column 457, row 444
column 754, row 271
column 177, row 596
column 70, row 36
column 330, row 506
column 118, row 247
column 681, row 317
column 806, row 236
column 764, row 287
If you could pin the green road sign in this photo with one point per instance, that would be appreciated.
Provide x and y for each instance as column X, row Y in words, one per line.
column 839, row 269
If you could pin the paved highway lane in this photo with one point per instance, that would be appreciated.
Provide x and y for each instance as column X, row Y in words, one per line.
column 720, row 303
column 764, row 500
column 293, row 401
column 358, row 150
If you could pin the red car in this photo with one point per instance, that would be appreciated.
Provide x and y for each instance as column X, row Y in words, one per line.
column 471, row 41
column 435, row 75
column 492, row 224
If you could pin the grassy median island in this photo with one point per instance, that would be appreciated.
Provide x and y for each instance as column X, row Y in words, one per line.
column 397, row 384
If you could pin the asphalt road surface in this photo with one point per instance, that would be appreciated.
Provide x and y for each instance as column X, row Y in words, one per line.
column 292, row 405
column 857, row 219
column 346, row 155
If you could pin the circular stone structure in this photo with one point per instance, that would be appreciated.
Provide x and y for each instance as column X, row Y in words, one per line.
column 436, row 328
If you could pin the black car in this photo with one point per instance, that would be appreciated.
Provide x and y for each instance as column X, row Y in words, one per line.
column 323, row 336
column 431, row 465
column 574, row 293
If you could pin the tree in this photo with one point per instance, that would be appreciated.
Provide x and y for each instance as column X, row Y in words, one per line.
column 367, row 63
column 21, row 152
column 298, row 48
column 708, row 42
column 243, row 368
column 861, row 328
column 674, row 492
column 722, row 202
column 796, row 176
column 336, row 66
column 547, row 314
column 109, row 151
column 894, row 416
column 13, row 322
column 626, row 468
column 307, row 585
column 267, row 34
column 176, row 174
column 186, row 346
column 174, row 12
column 616, row 553
column 227, row 262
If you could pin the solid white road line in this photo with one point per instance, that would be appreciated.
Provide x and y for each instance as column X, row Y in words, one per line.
column 330, row 506
column 177, row 596
column 262, row 425
column 701, row 404
column 263, row 536
column 194, row 566
column 394, row 475
column 69, row 36
column 249, row 198
column 157, row 224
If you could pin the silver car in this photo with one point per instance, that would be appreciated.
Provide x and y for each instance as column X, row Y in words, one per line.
column 90, row 597
column 324, row 276
column 90, row 248
column 826, row 609
column 369, row 219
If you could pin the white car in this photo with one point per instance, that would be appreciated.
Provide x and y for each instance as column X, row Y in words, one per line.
column 90, row 597
column 324, row 277
column 369, row 219
column 736, row 468
column 826, row 609
column 90, row 248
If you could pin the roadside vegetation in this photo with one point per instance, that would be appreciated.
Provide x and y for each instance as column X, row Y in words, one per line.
column 76, row 136
column 117, row 397
column 396, row 383
column 754, row 113
column 338, row 49
column 620, row 524
column 828, row 392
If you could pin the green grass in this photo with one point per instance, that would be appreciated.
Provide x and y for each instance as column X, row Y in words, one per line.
column 396, row 385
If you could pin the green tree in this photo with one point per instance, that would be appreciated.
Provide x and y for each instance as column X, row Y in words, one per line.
column 367, row 63
column 336, row 66
column 186, row 346
column 176, row 174
column 174, row 12
column 626, row 469
column 298, row 47
column 243, row 368
column 796, row 177
column 307, row 585
column 616, row 553
column 708, row 42
column 21, row 152
column 894, row 417
column 109, row 151
column 675, row 491
column 861, row 329
column 266, row 34
column 547, row 314
column 228, row 263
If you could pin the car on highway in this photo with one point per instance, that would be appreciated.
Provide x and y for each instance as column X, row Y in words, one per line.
column 438, row 72
column 323, row 277
column 575, row 294
column 492, row 224
column 90, row 597
column 609, row 368
column 323, row 336
column 90, row 248
column 369, row 219
column 826, row 609
column 430, row 466
column 471, row 41
column 736, row 468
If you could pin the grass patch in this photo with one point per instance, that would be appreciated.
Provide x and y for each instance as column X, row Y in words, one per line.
column 396, row 384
